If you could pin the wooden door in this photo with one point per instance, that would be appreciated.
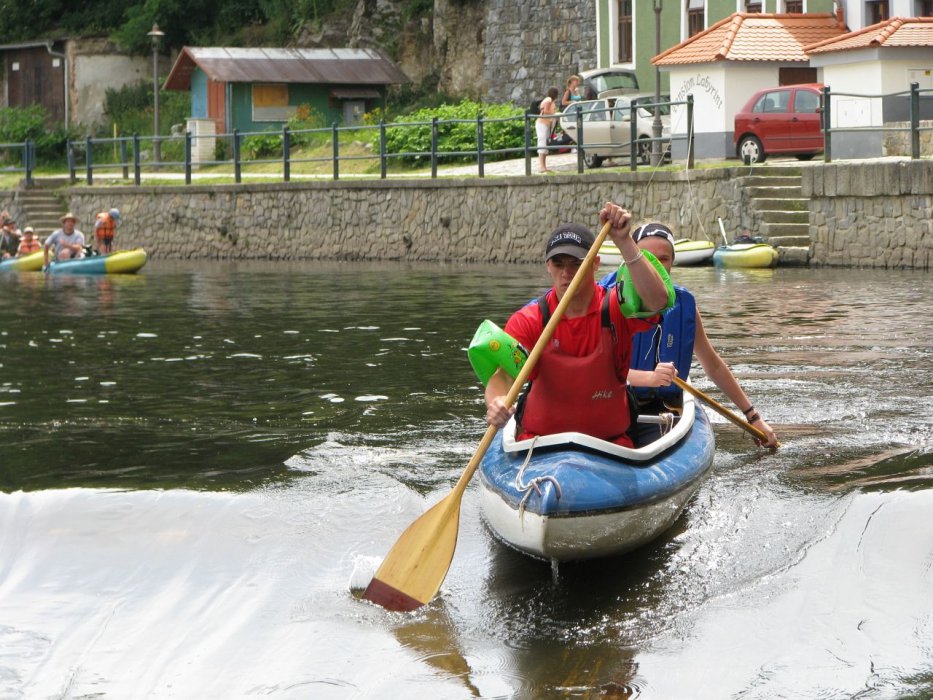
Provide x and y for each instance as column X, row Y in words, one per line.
column 217, row 104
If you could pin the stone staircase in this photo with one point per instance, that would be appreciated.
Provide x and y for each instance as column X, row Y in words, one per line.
column 40, row 206
column 781, row 210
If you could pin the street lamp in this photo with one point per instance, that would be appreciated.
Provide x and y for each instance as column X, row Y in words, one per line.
column 656, row 127
column 156, row 36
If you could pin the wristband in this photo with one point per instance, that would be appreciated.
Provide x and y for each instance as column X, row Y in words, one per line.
column 748, row 410
column 752, row 418
column 634, row 260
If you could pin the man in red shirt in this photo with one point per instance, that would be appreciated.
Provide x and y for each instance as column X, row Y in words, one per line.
column 579, row 382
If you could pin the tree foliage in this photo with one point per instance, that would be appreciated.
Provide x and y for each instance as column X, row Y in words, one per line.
column 185, row 22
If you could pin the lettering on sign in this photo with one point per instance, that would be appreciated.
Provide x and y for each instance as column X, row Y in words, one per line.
column 702, row 82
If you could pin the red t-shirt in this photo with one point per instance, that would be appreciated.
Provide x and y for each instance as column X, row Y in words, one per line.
column 580, row 336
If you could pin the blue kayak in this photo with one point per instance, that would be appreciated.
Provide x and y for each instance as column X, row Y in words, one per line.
column 578, row 497
column 121, row 261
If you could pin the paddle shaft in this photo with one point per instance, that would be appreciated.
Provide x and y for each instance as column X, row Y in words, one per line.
column 722, row 230
column 721, row 410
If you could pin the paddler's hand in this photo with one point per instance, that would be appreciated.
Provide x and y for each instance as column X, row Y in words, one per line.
column 663, row 374
column 497, row 413
column 621, row 220
column 772, row 443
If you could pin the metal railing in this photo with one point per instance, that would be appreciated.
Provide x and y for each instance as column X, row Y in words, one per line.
column 913, row 126
column 18, row 158
column 131, row 157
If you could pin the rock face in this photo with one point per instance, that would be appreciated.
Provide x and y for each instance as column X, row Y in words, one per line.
column 494, row 50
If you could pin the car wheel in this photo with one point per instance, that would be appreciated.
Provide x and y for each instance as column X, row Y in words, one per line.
column 644, row 151
column 751, row 150
column 805, row 156
column 592, row 161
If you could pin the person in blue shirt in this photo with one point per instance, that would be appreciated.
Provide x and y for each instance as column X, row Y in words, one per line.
column 659, row 355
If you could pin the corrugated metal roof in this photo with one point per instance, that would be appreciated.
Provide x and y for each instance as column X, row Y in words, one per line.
column 273, row 65
column 896, row 31
column 754, row 37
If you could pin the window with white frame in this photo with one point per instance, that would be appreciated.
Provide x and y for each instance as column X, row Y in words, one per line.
column 625, row 31
column 696, row 19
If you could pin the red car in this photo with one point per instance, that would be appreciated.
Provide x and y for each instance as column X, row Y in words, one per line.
column 781, row 120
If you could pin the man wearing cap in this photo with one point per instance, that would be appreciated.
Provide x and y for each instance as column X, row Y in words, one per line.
column 68, row 241
column 579, row 383
column 105, row 226
column 659, row 355
column 9, row 239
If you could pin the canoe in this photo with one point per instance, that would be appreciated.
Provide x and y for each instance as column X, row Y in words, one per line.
column 28, row 263
column 579, row 497
column 745, row 255
column 687, row 252
column 121, row 261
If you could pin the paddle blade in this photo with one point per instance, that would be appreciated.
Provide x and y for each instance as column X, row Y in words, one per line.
column 415, row 567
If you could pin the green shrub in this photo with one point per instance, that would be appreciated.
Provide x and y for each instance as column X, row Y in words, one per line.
column 18, row 124
column 306, row 117
column 455, row 135
column 261, row 146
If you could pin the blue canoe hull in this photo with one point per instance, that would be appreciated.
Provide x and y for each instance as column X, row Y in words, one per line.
column 588, row 504
column 118, row 262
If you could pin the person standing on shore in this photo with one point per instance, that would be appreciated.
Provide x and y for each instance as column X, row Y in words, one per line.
column 544, row 125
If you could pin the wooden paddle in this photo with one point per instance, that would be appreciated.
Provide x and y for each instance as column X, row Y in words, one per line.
column 417, row 564
column 722, row 410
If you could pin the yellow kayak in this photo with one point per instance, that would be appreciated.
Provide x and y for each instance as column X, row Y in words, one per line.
column 746, row 255
column 27, row 263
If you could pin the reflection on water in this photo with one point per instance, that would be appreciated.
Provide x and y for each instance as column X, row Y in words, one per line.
column 206, row 452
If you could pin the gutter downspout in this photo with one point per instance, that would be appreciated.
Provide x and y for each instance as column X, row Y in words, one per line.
column 64, row 57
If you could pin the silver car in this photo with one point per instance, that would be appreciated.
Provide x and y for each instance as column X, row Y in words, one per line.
column 607, row 127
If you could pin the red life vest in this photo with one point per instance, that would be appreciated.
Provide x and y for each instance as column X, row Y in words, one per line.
column 580, row 394
column 27, row 247
column 105, row 226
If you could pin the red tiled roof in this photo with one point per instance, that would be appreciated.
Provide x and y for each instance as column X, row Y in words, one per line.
column 897, row 31
column 754, row 37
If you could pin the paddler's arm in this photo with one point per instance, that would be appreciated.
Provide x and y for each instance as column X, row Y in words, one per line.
column 718, row 371
column 497, row 413
column 648, row 284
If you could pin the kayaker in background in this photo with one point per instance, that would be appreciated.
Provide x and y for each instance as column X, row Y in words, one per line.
column 28, row 244
column 67, row 241
column 579, row 383
column 9, row 238
column 105, row 226
column 660, row 354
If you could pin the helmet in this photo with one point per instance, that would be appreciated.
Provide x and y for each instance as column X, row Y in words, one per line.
column 115, row 214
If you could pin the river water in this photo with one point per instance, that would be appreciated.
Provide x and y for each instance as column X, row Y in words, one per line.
column 203, row 464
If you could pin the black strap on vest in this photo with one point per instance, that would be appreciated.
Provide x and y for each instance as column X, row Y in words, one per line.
column 604, row 315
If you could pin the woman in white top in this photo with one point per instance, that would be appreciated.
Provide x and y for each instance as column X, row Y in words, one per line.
column 545, row 124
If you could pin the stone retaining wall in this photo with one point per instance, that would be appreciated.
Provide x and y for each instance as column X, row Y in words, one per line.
column 875, row 214
column 871, row 214
column 494, row 220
